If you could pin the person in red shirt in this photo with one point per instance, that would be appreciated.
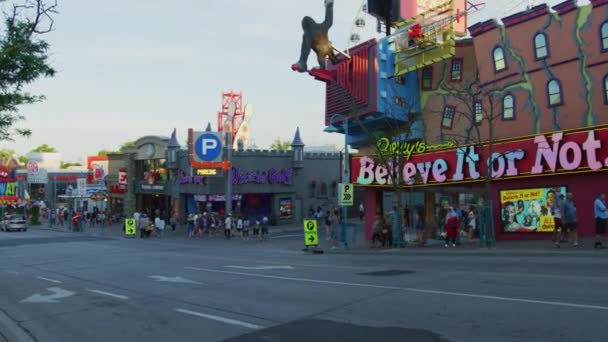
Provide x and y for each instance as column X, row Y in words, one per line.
column 451, row 227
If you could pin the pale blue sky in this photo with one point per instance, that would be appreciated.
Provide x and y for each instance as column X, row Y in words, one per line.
column 128, row 68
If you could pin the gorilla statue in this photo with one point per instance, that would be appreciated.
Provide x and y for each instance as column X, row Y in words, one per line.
column 315, row 38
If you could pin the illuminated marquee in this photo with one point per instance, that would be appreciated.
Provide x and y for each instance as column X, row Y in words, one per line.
column 572, row 152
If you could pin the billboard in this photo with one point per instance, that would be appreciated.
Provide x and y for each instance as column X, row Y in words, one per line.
column 569, row 152
column 428, row 37
column 529, row 210
column 98, row 165
column 413, row 8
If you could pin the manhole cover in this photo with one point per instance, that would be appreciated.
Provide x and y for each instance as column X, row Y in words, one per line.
column 386, row 273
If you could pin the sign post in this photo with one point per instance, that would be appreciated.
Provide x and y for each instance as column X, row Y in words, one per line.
column 346, row 194
column 130, row 227
column 311, row 235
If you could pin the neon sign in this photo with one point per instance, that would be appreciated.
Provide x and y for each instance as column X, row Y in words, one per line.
column 183, row 178
column 581, row 151
column 384, row 145
column 272, row 176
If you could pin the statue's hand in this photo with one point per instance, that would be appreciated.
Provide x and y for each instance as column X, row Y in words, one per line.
column 329, row 2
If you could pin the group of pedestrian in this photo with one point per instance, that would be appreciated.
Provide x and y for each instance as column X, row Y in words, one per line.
column 566, row 220
column 330, row 219
column 212, row 224
column 458, row 223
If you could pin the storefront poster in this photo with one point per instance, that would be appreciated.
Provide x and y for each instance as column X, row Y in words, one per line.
column 285, row 208
column 529, row 210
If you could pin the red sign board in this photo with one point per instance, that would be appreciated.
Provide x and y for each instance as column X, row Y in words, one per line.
column 555, row 153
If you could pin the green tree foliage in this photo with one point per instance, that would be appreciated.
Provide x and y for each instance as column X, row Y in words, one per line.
column 23, row 60
column 6, row 154
column 102, row 153
column 65, row 165
column 280, row 145
column 45, row 148
column 126, row 145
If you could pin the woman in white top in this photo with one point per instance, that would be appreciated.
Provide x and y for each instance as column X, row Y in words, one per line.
column 239, row 226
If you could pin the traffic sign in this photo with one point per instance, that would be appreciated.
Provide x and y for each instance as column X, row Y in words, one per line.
column 311, row 235
column 208, row 147
column 347, row 194
column 130, row 227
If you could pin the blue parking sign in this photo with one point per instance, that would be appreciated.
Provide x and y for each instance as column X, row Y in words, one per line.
column 208, row 147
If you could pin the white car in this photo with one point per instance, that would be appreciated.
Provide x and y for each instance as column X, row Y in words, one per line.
column 14, row 223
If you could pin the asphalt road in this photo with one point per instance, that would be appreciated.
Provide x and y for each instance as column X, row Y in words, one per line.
column 70, row 287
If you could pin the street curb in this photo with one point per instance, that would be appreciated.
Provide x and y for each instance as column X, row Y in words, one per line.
column 12, row 331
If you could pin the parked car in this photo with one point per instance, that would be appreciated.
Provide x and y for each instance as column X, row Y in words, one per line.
column 14, row 223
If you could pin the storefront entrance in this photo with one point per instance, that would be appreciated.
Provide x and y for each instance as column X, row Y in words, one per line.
column 153, row 205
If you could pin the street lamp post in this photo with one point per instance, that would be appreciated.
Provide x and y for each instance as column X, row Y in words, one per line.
column 346, row 169
column 228, row 130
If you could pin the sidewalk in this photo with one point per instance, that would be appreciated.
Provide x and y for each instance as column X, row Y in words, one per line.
column 117, row 231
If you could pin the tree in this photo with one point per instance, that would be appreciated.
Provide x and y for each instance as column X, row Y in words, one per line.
column 22, row 160
column 280, row 145
column 6, row 154
column 65, row 165
column 102, row 153
column 23, row 60
column 45, row 148
column 126, row 145
column 480, row 107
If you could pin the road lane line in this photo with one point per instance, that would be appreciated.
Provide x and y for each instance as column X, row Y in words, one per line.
column 49, row 279
column 286, row 236
column 409, row 289
column 220, row 319
column 108, row 294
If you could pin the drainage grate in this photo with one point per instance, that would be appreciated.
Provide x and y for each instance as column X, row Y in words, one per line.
column 386, row 273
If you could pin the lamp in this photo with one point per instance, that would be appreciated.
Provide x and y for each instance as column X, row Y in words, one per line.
column 346, row 170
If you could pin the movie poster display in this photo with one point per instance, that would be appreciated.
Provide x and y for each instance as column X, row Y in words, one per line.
column 529, row 210
column 285, row 208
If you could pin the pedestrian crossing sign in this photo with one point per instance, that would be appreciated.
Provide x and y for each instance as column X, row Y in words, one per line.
column 347, row 194
column 130, row 228
column 311, row 235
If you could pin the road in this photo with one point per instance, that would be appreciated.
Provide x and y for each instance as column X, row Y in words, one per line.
column 72, row 287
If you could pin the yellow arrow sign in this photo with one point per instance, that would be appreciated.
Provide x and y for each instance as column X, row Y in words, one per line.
column 311, row 236
column 130, row 227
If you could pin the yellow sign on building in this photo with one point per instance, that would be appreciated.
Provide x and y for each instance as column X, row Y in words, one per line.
column 311, row 234
column 130, row 227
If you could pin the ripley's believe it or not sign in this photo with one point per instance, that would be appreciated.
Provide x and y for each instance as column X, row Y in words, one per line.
column 561, row 152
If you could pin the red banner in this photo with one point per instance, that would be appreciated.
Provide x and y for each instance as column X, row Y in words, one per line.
column 560, row 152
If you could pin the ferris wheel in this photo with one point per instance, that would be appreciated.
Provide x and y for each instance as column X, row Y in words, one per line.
column 361, row 29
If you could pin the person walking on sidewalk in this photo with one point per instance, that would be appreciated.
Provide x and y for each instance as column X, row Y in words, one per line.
column 228, row 227
column 601, row 214
column 451, row 227
column 471, row 224
column 556, row 210
column 569, row 217
column 361, row 212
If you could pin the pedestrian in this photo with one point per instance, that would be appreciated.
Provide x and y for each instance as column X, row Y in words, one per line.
column 451, row 227
column 256, row 229
column 228, row 227
column 199, row 226
column 264, row 235
column 333, row 229
column 419, row 223
column 190, row 221
column 361, row 212
column 558, row 226
column 246, row 227
column 601, row 214
column 239, row 226
column 377, row 230
column 327, row 225
column 173, row 222
column 471, row 224
column 570, row 219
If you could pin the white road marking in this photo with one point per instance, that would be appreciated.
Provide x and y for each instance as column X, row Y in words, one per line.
column 173, row 279
column 410, row 289
column 260, row 267
column 286, row 236
column 220, row 319
column 57, row 293
column 108, row 294
column 49, row 279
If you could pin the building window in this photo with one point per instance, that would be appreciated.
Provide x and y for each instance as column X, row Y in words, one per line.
column 508, row 107
column 606, row 89
column 540, row 46
column 400, row 79
column 323, row 190
column 456, row 73
column 478, row 111
column 554, row 93
column 399, row 101
column 448, row 117
column 500, row 63
column 427, row 78
column 604, row 36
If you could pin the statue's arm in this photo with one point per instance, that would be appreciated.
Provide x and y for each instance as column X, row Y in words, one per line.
column 329, row 14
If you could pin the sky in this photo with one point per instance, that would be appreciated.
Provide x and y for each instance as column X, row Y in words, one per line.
column 130, row 68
